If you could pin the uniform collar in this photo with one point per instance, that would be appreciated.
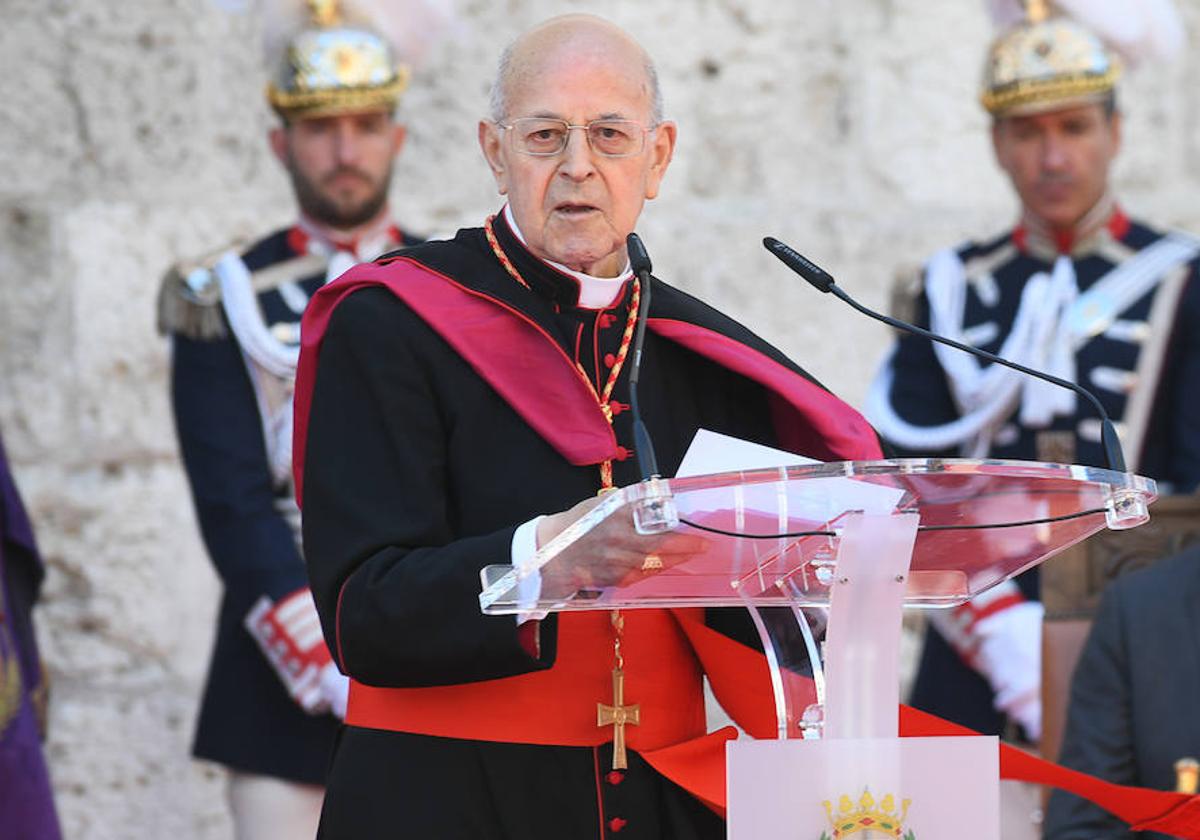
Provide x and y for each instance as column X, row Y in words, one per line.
column 563, row 285
column 1104, row 221
column 308, row 236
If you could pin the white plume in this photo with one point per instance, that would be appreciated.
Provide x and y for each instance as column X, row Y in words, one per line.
column 1145, row 30
column 412, row 26
column 1006, row 13
column 1140, row 30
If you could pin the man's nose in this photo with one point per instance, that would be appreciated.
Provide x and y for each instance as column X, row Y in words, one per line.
column 1054, row 154
column 577, row 158
column 346, row 144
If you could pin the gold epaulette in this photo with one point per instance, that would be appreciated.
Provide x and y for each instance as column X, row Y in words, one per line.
column 189, row 300
column 907, row 286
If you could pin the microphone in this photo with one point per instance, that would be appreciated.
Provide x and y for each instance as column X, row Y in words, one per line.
column 823, row 281
column 643, row 448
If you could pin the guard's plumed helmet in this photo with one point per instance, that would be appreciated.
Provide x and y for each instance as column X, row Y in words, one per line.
column 1053, row 55
column 332, row 64
column 1044, row 63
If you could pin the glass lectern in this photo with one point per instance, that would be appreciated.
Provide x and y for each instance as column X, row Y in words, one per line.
column 862, row 539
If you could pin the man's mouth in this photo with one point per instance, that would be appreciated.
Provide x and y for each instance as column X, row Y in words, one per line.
column 345, row 177
column 1055, row 190
column 568, row 208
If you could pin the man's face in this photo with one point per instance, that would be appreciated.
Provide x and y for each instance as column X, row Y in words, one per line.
column 577, row 207
column 340, row 165
column 1059, row 161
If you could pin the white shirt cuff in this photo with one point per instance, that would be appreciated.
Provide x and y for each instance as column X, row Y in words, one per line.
column 524, row 546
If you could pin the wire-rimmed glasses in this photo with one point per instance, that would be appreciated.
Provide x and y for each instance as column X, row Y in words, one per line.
column 546, row 136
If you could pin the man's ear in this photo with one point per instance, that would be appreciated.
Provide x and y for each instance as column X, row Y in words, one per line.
column 279, row 144
column 489, row 142
column 1116, row 125
column 399, row 135
column 997, row 143
column 662, row 148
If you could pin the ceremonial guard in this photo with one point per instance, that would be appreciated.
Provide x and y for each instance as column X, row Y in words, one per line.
column 26, row 802
column 1077, row 289
column 273, row 696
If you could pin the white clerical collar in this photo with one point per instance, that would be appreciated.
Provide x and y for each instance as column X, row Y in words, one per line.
column 594, row 292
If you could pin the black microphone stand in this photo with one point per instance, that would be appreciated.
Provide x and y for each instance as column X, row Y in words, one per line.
column 656, row 512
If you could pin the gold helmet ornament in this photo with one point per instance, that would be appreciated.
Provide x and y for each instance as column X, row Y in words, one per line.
column 1055, row 55
column 333, row 65
column 1045, row 63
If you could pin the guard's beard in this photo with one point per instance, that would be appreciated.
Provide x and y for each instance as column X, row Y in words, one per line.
column 320, row 206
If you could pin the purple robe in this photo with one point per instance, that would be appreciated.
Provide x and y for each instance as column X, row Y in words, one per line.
column 26, row 802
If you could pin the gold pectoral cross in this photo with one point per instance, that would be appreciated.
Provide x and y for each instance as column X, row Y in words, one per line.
column 616, row 716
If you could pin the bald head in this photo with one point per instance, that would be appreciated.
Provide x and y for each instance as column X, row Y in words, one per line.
column 574, row 37
column 582, row 81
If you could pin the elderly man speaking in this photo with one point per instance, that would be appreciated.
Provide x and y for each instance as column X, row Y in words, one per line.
column 460, row 403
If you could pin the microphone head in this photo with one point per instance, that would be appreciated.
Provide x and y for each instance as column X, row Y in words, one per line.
column 639, row 260
column 797, row 262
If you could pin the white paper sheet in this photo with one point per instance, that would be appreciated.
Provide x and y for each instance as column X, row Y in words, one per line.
column 820, row 499
column 712, row 452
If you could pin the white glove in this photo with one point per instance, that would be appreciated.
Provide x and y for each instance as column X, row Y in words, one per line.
column 335, row 690
column 289, row 634
column 1010, row 657
column 999, row 634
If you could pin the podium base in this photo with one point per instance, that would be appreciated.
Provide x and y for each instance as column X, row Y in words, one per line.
column 868, row 789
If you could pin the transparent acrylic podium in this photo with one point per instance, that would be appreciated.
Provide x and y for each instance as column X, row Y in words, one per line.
column 862, row 539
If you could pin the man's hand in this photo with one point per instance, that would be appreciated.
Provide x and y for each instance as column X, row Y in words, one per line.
column 612, row 553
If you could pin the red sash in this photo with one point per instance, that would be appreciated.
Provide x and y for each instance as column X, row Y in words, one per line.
column 558, row 705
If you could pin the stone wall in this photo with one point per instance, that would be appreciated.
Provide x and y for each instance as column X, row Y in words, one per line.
column 132, row 134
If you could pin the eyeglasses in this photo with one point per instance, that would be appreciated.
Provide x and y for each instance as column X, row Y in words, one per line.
column 546, row 137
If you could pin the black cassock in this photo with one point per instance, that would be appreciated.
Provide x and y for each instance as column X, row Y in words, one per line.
column 415, row 476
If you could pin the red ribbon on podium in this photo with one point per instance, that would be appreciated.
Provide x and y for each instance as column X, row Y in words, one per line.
column 740, row 681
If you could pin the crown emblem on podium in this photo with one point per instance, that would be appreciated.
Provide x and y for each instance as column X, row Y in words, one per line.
column 867, row 819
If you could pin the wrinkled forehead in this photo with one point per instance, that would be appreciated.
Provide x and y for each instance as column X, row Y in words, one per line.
column 581, row 78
